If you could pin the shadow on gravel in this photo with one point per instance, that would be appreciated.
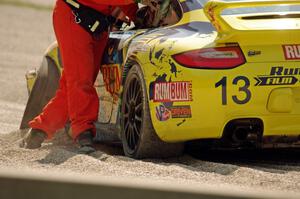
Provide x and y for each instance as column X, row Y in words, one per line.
column 57, row 156
column 190, row 163
column 111, row 149
column 267, row 160
column 62, row 148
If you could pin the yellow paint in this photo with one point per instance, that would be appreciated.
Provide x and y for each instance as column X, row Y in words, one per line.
column 52, row 52
column 281, row 100
column 232, row 28
column 279, row 111
column 30, row 79
column 209, row 116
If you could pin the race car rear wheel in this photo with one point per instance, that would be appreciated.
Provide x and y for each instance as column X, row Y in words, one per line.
column 43, row 90
column 138, row 135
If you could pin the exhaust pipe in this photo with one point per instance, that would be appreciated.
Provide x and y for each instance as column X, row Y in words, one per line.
column 240, row 134
column 243, row 132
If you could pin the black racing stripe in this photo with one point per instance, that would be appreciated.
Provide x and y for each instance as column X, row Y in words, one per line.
column 190, row 5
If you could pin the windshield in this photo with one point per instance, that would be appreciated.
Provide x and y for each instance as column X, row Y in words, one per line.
column 250, row 10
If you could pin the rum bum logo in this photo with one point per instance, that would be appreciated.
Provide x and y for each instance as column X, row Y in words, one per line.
column 279, row 75
column 172, row 91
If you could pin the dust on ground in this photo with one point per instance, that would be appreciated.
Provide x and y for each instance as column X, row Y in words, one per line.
column 59, row 155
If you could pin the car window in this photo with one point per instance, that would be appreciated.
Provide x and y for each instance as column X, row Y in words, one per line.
column 262, row 9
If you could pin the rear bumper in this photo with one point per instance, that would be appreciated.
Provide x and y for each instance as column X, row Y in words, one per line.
column 220, row 96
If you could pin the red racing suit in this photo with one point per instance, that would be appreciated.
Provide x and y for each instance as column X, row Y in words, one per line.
column 76, row 99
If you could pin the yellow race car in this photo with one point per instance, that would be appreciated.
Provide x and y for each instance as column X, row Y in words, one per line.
column 224, row 73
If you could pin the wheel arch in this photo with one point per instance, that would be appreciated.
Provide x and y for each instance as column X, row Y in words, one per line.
column 131, row 61
column 152, row 145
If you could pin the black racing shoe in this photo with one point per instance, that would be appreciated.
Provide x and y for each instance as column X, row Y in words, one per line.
column 85, row 140
column 33, row 139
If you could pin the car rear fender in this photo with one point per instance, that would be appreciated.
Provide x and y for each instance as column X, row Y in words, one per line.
column 52, row 53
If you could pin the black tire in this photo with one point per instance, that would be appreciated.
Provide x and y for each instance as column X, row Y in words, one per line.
column 44, row 89
column 138, row 136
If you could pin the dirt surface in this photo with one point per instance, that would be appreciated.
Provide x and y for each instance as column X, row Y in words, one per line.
column 40, row 2
column 23, row 40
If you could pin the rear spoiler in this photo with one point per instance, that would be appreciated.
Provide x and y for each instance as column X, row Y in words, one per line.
column 214, row 8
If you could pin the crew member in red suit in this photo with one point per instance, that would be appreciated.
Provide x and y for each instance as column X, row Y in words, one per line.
column 76, row 99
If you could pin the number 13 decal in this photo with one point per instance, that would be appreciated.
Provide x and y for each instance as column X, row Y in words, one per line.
column 243, row 89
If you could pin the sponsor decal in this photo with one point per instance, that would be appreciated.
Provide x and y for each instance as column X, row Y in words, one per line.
column 111, row 78
column 253, row 53
column 181, row 111
column 172, row 91
column 291, row 52
column 279, row 75
column 163, row 113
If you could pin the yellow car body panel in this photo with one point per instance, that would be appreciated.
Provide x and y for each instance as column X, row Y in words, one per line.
column 30, row 80
column 53, row 53
column 278, row 107
column 209, row 116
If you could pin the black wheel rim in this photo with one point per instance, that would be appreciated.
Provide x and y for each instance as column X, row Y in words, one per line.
column 133, row 114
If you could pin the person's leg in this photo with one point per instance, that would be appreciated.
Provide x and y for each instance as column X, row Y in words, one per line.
column 83, row 98
column 55, row 114
column 52, row 118
column 76, row 99
column 81, row 54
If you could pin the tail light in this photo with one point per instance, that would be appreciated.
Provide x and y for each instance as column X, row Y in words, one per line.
column 211, row 58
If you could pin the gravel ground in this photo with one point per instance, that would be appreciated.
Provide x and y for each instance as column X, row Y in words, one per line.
column 40, row 2
column 22, row 44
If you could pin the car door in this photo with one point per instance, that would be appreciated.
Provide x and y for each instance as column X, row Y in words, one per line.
column 108, row 83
